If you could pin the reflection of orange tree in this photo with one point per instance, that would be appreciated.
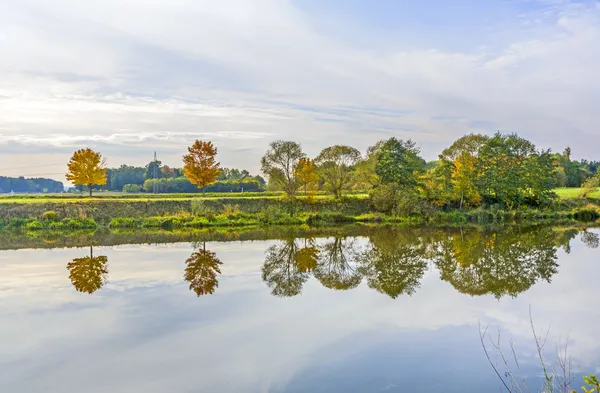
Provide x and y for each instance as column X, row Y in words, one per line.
column 202, row 270
column 88, row 274
column 334, row 270
column 502, row 263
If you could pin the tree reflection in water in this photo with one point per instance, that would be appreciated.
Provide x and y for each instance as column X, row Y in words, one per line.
column 394, row 262
column 475, row 261
column 202, row 268
column 88, row 274
column 281, row 270
column 508, row 262
column 334, row 269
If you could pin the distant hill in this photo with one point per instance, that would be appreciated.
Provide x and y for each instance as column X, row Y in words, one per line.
column 33, row 185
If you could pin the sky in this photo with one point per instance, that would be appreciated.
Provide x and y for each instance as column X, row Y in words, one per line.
column 130, row 77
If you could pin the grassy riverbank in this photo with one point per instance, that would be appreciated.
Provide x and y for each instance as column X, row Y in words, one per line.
column 252, row 210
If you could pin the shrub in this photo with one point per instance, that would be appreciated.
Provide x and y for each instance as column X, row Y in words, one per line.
column 200, row 208
column 396, row 200
column 329, row 218
column 124, row 222
column 50, row 215
column 271, row 214
column 231, row 210
column 34, row 225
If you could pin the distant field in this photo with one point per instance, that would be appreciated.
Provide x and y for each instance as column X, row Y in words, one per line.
column 567, row 193
column 114, row 196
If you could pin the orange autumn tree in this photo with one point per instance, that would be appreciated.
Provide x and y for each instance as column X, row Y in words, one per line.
column 87, row 168
column 306, row 173
column 200, row 166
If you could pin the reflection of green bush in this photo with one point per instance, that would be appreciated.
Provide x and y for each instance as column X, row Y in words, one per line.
column 586, row 214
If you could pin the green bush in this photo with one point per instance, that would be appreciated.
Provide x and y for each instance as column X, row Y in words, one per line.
column 124, row 222
column 231, row 211
column 396, row 200
column 34, row 225
column 199, row 207
column 329, row 218
column 271, row 215
column 50, row 215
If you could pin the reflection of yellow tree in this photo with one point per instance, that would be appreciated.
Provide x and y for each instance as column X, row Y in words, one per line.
column 334, row 270
column 499, row 263
column 88, row 274
column 202, row 268
column 281, row 270
column 307, row 257
column 394, row 263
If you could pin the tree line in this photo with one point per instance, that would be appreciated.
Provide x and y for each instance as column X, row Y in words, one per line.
column 87, row 170
column 502, row 170
column 33, row 185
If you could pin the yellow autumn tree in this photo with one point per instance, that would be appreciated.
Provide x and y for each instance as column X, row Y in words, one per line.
column 87, row 168
column 306, row 173
column 200, row 166
column 463, row 178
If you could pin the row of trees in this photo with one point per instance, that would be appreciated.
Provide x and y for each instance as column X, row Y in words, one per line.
column 393, row 262
column 33, row 185
column 504, row 170
column 87, row 168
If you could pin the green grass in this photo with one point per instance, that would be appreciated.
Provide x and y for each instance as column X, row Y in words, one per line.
column 102, row 196
column 570, row 193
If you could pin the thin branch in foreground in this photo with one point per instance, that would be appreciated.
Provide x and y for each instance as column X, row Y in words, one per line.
column 487, row 355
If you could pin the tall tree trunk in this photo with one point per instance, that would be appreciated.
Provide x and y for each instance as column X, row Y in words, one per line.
column 90, row 186
column 462, row 197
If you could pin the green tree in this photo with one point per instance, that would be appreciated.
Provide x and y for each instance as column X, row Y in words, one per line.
column 469, row 144
column 455, row 178
column 365, row 176
column 335, row 166
column 153, row 170
column 510, row 171
column 399, row 162
column 280, row 162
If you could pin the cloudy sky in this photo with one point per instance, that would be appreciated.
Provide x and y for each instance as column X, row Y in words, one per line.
column 130, row 77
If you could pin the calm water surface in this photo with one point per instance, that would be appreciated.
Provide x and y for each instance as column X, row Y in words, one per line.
column 374, row 310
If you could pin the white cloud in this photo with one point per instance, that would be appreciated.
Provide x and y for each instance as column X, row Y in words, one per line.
column 94, row 71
